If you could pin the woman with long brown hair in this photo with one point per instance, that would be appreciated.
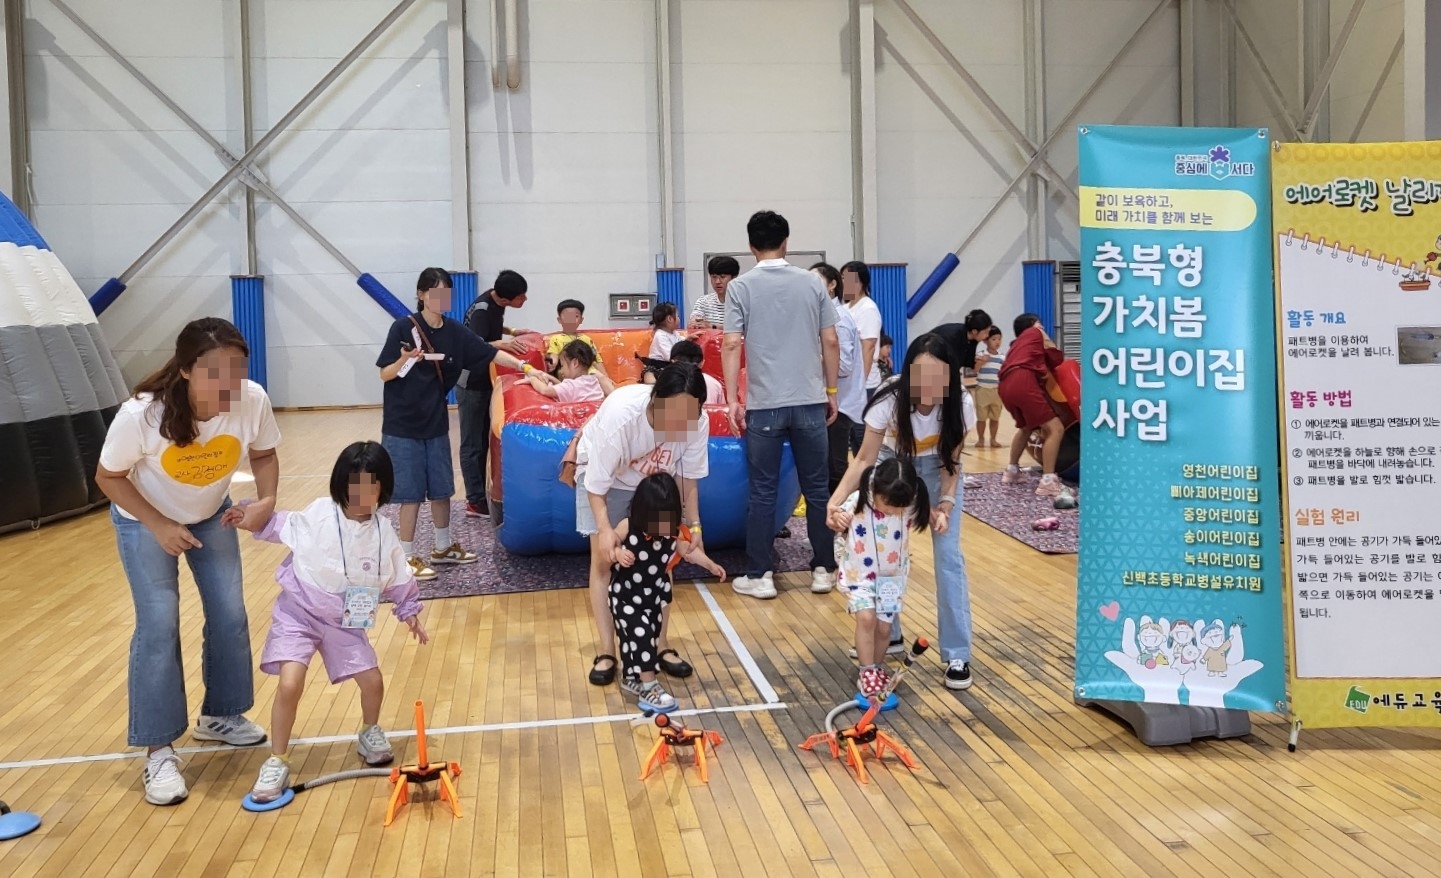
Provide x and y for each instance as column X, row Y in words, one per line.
column 166, row 466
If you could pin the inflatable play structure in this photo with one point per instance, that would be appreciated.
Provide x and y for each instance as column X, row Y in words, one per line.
column 534, row 512
column 59, row 384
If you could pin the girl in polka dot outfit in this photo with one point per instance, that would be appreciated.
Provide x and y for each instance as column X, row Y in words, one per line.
column 640, row 582
column 874, row 557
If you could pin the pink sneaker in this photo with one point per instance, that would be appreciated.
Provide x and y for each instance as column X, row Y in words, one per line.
column 1011, row 476
column 1050, row 486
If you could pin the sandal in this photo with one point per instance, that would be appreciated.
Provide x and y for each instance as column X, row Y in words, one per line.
column 677, row 667
column 603, row 676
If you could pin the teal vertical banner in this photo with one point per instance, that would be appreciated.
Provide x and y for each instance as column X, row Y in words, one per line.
column 1179, row 597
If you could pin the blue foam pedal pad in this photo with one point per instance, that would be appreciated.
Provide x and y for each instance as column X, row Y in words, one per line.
column 14, row 824
column 250, row 804
column 892, row 702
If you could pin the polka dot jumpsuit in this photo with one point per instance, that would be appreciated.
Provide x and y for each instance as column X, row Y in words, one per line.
column 637, row 595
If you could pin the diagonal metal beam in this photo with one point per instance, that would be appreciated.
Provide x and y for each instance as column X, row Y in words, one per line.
column 1027, row 146
column 242, row 163
column 249, row 177
column 1060, row 128
column 1380, row 83
column 1275, row 99
column 1323, row 80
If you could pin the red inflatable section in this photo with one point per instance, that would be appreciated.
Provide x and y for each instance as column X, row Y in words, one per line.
column 1064, row 385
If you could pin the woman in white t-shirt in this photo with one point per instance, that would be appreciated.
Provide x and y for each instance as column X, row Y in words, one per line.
column 922, row 414
column 166, row 466
column 640, row 429
column 856, row 290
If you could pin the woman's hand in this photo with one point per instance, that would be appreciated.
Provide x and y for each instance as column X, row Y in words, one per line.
column 409, row 352
column 703, row 561
column 417, row 630
column 610, row 547
column 838, row 519
column 176, row 539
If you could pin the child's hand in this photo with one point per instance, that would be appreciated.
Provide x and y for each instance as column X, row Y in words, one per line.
column 252, row 516
column 699, row 558
column 837, row 518
column 232, row 517
column 417, row 630
column 621, row 556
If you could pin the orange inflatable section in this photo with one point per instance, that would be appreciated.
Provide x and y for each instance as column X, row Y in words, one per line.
column 618, row 349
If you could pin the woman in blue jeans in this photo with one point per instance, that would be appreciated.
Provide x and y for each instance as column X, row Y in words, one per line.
column 921, row 414
column 166, row 466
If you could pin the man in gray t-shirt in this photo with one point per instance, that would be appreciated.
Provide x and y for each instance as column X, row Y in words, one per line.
column 785, row 321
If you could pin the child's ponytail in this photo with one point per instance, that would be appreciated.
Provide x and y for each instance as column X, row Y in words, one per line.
column 896, row 482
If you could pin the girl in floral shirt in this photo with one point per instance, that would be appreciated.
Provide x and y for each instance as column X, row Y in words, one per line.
column 873, row 554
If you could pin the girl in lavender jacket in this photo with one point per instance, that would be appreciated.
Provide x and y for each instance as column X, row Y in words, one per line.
column 344, row 559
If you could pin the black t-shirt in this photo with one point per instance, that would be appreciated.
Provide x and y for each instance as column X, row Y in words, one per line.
column 415, row 404
column 486, row 317
column 955, row 336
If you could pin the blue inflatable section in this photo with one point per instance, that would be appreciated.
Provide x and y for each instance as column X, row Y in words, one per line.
column 538, row 512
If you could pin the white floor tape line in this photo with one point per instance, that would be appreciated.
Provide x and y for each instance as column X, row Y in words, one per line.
column 405, row 733
column 768, row 692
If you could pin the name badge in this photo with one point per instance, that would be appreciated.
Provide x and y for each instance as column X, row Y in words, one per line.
column 888, row 594
column 360, row 607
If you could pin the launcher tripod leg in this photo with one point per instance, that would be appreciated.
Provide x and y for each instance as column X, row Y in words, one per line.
column 448, row 794
column 658, row 755
column 398, row 796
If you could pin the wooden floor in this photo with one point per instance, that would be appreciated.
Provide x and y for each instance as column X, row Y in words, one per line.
column 1014, row 779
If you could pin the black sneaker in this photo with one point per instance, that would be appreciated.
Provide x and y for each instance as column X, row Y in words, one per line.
column 958, row 675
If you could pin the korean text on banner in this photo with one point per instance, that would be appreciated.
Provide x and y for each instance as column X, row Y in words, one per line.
column 1179, row 598
column 1358, row 254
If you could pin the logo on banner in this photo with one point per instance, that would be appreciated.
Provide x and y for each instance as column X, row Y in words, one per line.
column 1357, row 700
column 1216, row 164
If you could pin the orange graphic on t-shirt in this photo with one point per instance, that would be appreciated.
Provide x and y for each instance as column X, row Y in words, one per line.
column 204, row 464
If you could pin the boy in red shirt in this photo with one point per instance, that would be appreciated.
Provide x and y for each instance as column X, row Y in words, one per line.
column 1023, row 393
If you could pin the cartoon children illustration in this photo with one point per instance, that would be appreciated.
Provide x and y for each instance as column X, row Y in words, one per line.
column 1216, row 649
column 1152, row 640
column 1182, row 637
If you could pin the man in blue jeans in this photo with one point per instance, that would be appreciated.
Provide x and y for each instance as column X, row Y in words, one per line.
column 784, row 319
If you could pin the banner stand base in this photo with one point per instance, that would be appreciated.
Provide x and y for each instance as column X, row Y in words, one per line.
column 1165, row 725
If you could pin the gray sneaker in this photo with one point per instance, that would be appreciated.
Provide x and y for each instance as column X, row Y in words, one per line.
column 374, row 747
column 164, row 784
column 236, row 731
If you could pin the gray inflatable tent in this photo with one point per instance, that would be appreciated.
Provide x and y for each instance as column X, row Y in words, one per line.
column 59, row 384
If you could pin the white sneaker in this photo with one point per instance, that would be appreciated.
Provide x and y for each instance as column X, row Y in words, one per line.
column 822, row 580
column 374, row 747
column 236, row 731
column 763, row 588
column 274, row 778
column 164, row 784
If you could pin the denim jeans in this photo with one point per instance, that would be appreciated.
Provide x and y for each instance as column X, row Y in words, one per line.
column 953, row 590
column 858, row 428
column 838, row 436
column 474, row 441
column 158, row 711
column 766, row 433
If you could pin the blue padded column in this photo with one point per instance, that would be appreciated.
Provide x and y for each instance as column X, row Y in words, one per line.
column 888, row 288
column 462, row 296
column 670, row 287
column 1038, row 281
column 247, row 303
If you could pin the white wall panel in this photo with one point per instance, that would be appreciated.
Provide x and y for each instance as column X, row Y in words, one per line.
column 564, row 170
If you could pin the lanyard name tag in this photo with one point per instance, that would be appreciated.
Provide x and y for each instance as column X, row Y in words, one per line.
column 888, row 594
column 360, row 606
